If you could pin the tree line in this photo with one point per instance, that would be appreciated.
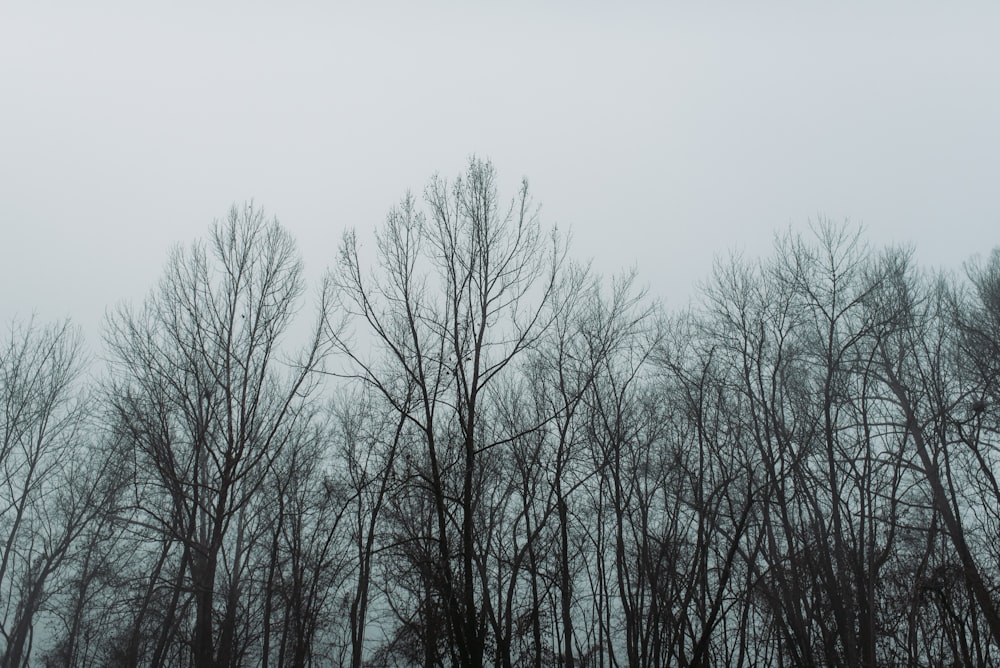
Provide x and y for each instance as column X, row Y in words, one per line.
column 485, row 454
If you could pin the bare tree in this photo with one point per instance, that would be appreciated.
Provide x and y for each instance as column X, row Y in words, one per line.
column 459, row 295
column 368, row 438
column 800, row 334
column 309, row 565
column 55, row 481
column 206, row 404
column 924, row 362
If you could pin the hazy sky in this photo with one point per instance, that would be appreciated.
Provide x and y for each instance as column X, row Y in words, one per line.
column 660, row 134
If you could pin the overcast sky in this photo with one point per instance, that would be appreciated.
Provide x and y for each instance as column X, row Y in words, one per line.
column 660, row 133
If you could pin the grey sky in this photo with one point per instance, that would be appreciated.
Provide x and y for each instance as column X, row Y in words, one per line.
column 660, row 134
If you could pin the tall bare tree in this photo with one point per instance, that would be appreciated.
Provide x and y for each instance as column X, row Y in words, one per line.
column 60, row 480
column 459, row 294
column 931, row 362
column 202, row 395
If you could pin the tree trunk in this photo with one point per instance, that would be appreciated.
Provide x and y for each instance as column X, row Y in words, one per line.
column 203, row 578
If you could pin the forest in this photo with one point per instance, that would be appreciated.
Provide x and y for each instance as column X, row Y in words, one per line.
column 467, row 448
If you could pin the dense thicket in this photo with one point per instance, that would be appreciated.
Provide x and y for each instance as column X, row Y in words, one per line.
column 485, row 454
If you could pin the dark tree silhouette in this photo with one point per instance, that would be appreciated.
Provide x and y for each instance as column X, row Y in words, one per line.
column 201, row 395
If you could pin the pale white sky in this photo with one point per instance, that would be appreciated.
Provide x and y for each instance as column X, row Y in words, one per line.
column 661, row 133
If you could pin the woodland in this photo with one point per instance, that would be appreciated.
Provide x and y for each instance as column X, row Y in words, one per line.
column 467, row 448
